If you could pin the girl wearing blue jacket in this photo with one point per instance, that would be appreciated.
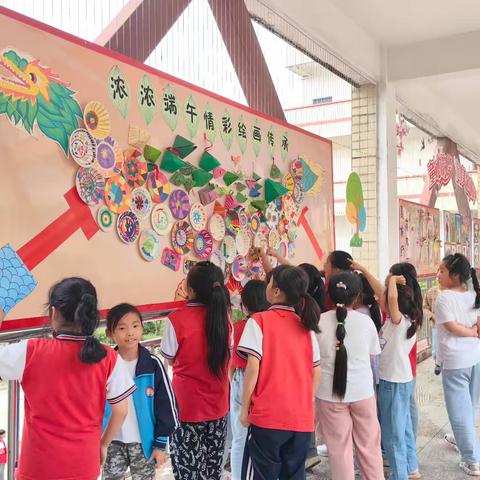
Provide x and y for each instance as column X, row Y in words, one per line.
column 152, row 412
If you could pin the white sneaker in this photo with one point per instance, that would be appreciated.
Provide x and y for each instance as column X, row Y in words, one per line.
column 472, row 469
column 450, row 439
column 322, row 450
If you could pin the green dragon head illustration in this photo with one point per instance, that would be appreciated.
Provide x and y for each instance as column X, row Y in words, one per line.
column 32, row 93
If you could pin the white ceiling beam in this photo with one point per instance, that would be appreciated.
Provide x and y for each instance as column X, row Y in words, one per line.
column 438, row 56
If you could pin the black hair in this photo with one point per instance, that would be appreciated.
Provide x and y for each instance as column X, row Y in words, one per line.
column 206, row 280
column 410, row 300
column 343, row 288
column 76, row 300
column 341, row 260
column 316, row 285
column 458, row 264
column 2, row 431
column 117, row 312
column 254, row 297
column 368, row 299
column 293, row 282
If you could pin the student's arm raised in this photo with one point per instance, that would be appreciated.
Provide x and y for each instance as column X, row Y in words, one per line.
column 395, row 313
column 249, row 383
column 376, row 285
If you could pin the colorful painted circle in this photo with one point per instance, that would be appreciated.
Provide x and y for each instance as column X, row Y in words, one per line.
column 296, row 169
column 272, row 216
column 243, row 243
column 105, row 218
column 135, row 169
column 161, row 219
column 217, row 227
column 90, row 185
column 198, row 217
column 118, row 194
column 239, row 268
column 254, row 224
column 141, row 203
column 283, row 249
column 243, row 218
column 158, row 186
column 97, row 119
column 106, row 159
column 232, row 222
column 128, row 227
column 298, row 194
column 83, row 147
column 119, row 160
column 179, row 204
column 260, row 241
column 203, row 244
column 274, row 240
column 149, row 245
column 228, row 249
column 288, row 182
column 182, row 237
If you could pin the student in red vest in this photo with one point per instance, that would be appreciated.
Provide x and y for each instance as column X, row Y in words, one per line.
column 3, row 454
column 66, row 380
column 197, row 342
column 281, row 377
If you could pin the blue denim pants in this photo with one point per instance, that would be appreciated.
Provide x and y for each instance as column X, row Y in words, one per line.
column 239, row 432
column 461, row 388
column 398, row 438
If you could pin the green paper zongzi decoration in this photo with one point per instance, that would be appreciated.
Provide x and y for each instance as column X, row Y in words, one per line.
column 177, row 179
column 151, row 154
column 183, row 146
column 273, row 190
column 187, row 169
column 201, row 177
column 171, row 163
column 208, row 162
column 275, row 172
column 230, row 177
column 241, row 198
column 260, row 205
column 188, row 183
column 240, row 186
column 256, row 177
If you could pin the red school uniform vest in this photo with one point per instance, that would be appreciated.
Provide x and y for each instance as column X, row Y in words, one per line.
column 200, row 395
column 64, row 404
column 238, row 328
column 283, row 396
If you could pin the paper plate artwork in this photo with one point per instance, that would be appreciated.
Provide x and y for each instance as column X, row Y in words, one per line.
column 179, row 204
column 118, row 194
column 243, row 242
column 243, row 218
column 16, row 281
column 158, row 186
column 105, row 218
column 149, row 245
column 288, row 181
column 296, row 169
column 182, row 237
column 135, row 168
column 272, row 216
column 254, row 224
column 106, row 159
column 274, row 240
column 232, row 222
column 203, row 244
column 161, row 219
column 298, row 194
column 260, row 241
column 283, row 249
column 218, row 260
column 239, row 268
column 90, row 185
column 97, row 120
column 171, row 259
column 83, row 147
column 228, row 249
column 128, row 227
column 141, row 203
column 137, row 137
column 217, row 227
column 198, row 217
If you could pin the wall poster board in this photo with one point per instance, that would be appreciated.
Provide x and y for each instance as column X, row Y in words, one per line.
column 458, row 235
column 114, row 171
column 419, row 236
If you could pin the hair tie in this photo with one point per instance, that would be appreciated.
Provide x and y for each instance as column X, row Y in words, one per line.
column 340, row 305
column 216, row 285
column 341, row 285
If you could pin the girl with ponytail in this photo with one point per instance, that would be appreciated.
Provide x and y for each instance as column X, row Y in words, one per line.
column 346, row 402
column 66, row 380
column 197, row 342
column 456, row 314
column 281, row 376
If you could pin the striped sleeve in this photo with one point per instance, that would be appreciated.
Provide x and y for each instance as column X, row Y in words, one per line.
column 120, row 384
column 169, row 344
column 251, row 342
column 316, row 350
